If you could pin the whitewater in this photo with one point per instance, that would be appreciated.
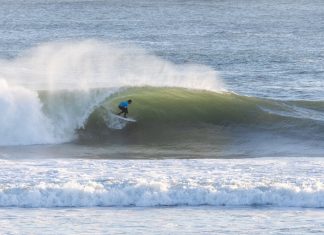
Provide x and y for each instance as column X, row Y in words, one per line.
column 147, row 183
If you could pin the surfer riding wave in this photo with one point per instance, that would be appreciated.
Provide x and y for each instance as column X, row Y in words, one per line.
column 123, row 106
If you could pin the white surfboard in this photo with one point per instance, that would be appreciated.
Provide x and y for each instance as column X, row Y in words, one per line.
column 123, row 118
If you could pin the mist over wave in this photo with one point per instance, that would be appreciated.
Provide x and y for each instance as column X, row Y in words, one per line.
column 68, row 72
column 95, row 64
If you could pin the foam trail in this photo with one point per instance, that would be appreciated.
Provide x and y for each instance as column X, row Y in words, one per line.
column 68, row 71
column 114, row 122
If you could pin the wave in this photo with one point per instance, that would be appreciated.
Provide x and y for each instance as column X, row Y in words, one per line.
column 162, row 114
column 195, row 117
column 67, row 91
column 91, row 194
column 104, row 183
column 48, row 92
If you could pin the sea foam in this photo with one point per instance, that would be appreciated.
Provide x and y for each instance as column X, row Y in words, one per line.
column 235, row 183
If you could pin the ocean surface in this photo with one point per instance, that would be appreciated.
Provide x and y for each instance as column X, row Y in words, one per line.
column 228, row 98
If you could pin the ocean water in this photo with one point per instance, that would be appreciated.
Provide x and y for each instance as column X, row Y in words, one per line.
column 228, row 98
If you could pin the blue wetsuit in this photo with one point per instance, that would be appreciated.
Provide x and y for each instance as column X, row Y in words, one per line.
column 123, row 106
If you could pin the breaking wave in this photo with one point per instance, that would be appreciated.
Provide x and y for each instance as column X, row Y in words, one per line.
column 163, row 183
column 75, row 78
column 62, row 92
column 91, row 194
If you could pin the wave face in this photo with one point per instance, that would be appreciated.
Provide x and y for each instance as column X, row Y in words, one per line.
column 85, row 183
column 185, row 105
column 49, row 92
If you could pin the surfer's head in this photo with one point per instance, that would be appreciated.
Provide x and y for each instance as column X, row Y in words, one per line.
column 129, row 101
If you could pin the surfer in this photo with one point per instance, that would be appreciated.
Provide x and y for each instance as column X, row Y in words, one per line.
column 123, row 106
